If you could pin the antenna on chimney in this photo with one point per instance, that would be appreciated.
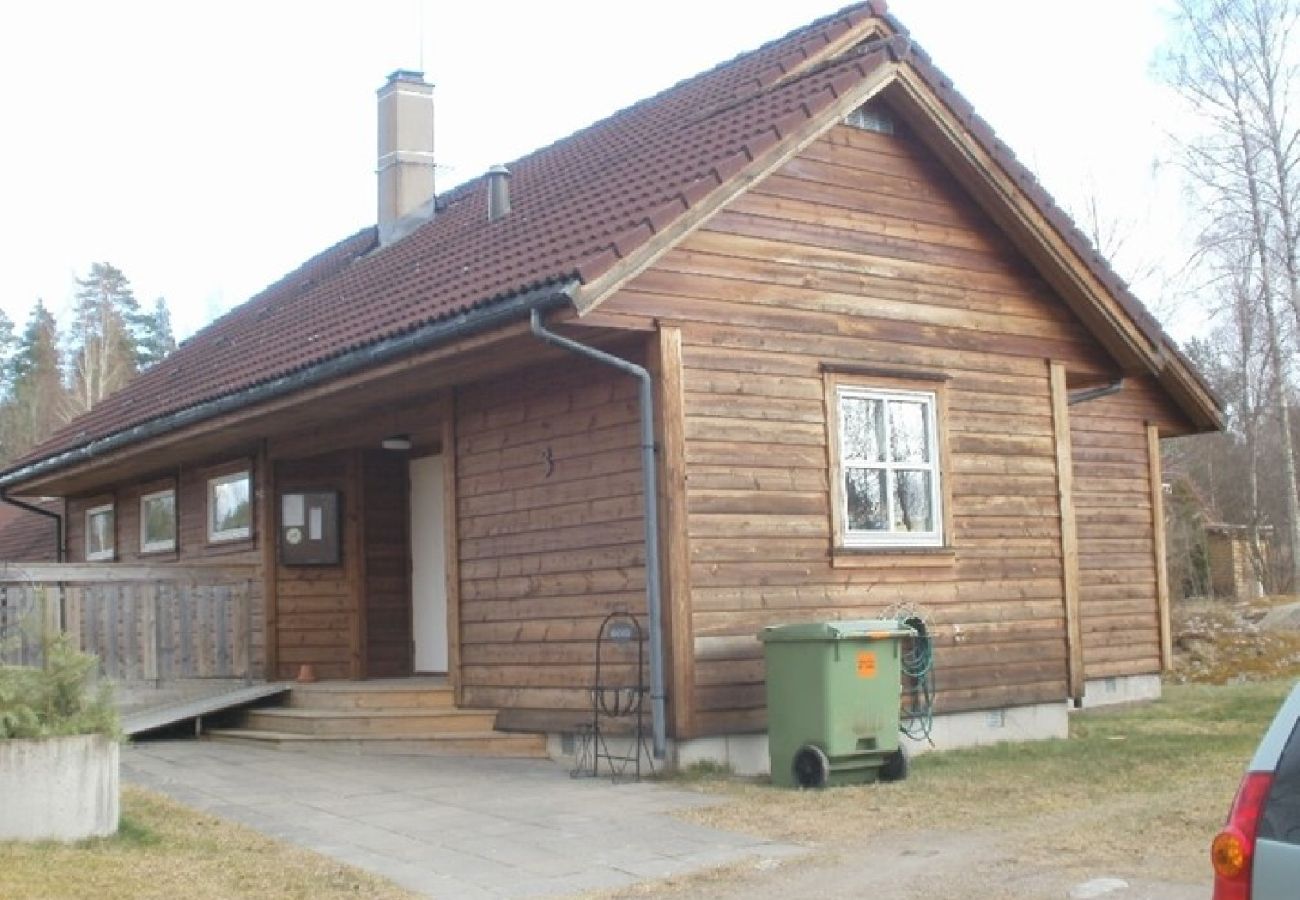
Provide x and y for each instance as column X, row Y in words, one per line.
column 419, row 29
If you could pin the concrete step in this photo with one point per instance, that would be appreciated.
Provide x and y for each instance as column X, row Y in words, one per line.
column 379, row 723
column 397, row 694
column 469, row 743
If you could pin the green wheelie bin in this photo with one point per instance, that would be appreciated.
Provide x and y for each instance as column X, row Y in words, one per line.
column 833, row 693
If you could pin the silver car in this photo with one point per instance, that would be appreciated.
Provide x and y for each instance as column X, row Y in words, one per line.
column 1257, row 854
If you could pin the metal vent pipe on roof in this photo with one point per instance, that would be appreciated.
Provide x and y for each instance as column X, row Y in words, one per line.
column 498, row 193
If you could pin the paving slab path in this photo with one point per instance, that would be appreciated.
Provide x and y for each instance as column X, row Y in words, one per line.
column 446, row 827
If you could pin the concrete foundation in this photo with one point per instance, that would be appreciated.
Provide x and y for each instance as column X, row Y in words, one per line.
column 747, row 754
column 61, row 789
column 1120, row 689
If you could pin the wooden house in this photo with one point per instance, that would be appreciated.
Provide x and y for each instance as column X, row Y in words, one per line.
column 886, row 372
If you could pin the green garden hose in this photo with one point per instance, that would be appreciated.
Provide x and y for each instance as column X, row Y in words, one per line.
column 917, row 664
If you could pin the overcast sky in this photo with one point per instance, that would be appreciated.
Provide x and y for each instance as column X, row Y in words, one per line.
column 207, row 149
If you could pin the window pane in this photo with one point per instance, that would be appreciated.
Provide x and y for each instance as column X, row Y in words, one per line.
column 231, row 510
column 908, row 438
column 912, row 508
column 865, row 492
column 99, row 533
column 864, row 429
column 160, row 519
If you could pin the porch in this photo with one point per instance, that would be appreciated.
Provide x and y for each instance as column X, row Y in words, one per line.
column 182, row 643
column 477, row 511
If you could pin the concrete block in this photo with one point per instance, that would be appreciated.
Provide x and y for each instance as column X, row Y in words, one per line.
column 1120, row 689
column 62, row 788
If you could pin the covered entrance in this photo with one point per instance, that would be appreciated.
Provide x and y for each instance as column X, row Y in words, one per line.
column 377, row 608
column 428, row 564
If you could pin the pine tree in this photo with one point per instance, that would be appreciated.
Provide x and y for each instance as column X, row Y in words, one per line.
column 102, row 342
column 36, row 405
column 154, row 338
column 8, row 347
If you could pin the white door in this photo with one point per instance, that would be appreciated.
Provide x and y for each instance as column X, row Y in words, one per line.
column 428, row 566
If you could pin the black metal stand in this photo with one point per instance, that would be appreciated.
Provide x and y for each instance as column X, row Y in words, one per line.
column 617, row 708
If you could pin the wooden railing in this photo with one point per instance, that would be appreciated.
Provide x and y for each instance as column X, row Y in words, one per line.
column 145, row 623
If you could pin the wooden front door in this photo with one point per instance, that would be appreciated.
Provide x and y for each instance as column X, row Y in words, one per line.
column 428, row 567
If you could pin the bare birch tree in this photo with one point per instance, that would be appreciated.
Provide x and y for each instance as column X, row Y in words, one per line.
column 1229, row 65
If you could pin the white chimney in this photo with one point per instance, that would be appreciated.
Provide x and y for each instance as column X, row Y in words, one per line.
column 406, row 189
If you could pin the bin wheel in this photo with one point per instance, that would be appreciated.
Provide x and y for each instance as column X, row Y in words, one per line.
column 811, row 768
column 895, row 766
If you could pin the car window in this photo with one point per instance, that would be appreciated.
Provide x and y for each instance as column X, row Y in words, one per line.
column 1281, row 819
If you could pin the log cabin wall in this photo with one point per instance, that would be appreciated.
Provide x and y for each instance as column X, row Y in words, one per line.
column 317, row 616
column 864, row 252
column 385, row 537
column 1117, row 552
column 550, row 535
column 190, row 482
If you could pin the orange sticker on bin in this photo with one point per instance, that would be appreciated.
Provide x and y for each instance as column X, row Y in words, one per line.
column 866, row 664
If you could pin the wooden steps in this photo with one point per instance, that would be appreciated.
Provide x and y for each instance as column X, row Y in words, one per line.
column 401, row 716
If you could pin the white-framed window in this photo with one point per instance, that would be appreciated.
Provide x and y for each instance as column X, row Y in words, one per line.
column 158, row 521
column 100, row 532
column 230, row 507
column 889, row 476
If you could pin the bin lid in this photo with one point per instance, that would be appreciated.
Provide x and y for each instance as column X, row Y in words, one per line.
column 841, row 630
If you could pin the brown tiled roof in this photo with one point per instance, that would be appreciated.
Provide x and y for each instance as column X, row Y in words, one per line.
column 578, row 206
column 26, row 536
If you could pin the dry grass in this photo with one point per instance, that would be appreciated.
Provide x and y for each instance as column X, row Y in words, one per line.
column 166, row 850
column 1140, row 789
column 1218, row 642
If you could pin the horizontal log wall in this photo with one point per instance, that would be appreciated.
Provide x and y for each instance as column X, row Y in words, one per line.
column 387, row 565
column 550, row 530
column 864, row 252
column 1117, row 555
column 317, row 616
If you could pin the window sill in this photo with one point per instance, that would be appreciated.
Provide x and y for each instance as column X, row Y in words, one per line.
column 234, row 545
column 891, row 557
column 160, row 553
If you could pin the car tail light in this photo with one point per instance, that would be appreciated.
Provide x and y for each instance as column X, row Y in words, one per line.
column 1233, row 849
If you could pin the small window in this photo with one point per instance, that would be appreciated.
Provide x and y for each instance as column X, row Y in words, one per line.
column 158, row 521
column 889, row 494
column 100, row 532
column 230, row 507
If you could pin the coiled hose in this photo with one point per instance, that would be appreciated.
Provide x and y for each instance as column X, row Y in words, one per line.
column 917, row 664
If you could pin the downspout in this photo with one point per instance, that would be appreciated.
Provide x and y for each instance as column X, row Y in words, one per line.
column 652, row 592
column 58, row 521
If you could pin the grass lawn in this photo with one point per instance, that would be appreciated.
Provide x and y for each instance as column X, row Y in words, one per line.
column 166, row 850
column 1140, row 789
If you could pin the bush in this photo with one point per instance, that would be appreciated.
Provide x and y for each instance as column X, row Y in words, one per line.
column 61, row 698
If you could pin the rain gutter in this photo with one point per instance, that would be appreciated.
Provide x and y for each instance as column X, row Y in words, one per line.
column 425, row 337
